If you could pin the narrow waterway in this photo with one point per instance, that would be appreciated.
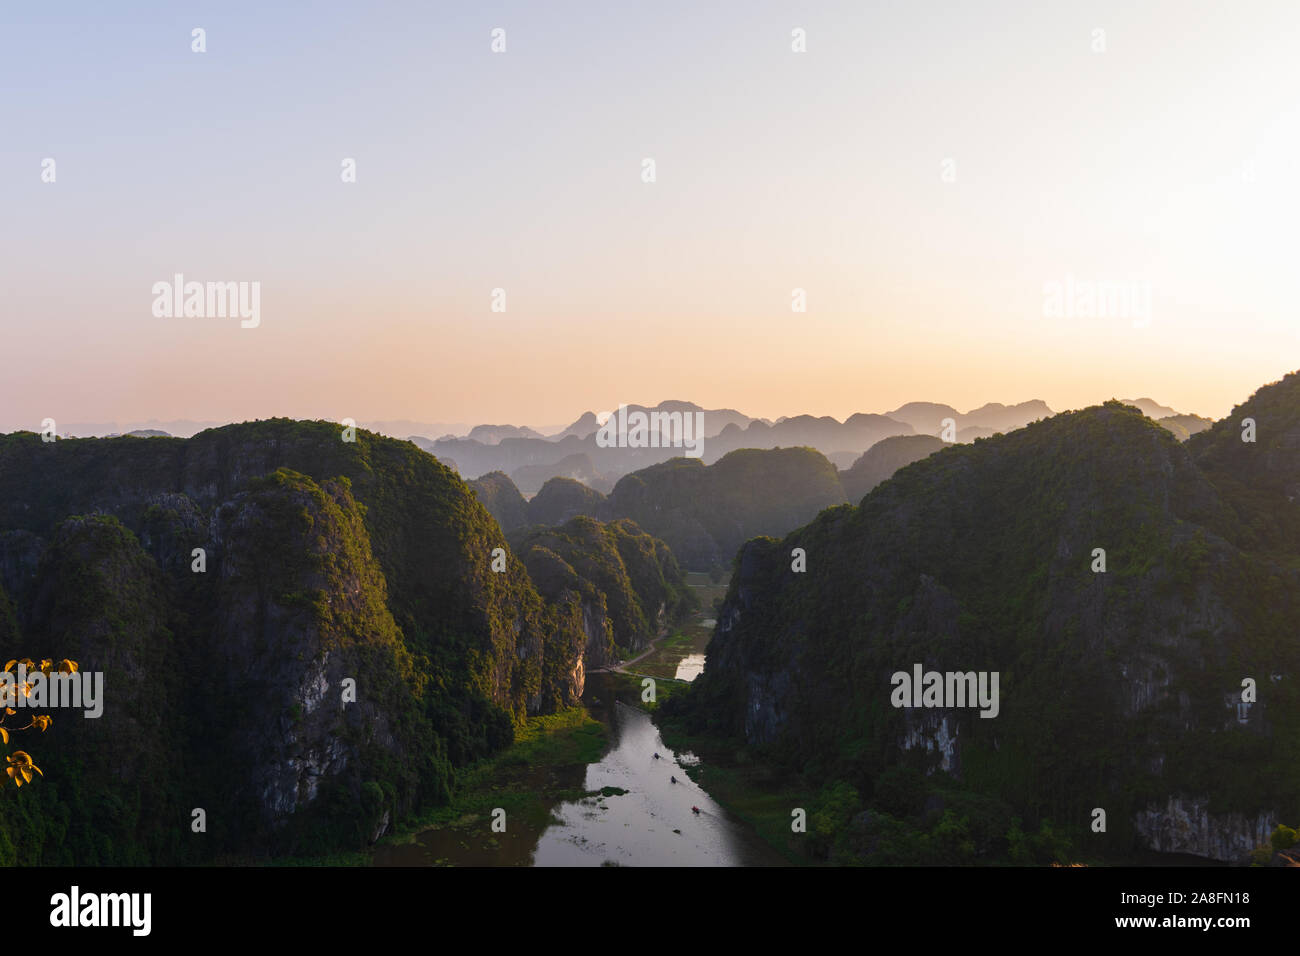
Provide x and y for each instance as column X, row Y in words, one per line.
column 651, row 824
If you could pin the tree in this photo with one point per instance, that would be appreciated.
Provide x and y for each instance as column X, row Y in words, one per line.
column 20, row 765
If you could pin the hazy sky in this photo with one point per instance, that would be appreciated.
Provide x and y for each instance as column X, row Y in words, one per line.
column 1170, row 162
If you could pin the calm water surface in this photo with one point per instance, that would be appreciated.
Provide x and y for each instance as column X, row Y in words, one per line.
column 650, row 825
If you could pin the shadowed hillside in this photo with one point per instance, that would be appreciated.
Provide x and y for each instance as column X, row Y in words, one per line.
column 1117, row 688
column 324, row 561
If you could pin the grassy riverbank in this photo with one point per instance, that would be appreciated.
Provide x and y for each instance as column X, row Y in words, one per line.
column 526, row 780
column 670, row 651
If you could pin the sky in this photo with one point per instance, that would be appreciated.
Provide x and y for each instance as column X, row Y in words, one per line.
column 931, row 175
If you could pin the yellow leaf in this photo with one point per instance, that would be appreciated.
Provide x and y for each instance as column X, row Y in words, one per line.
column 4, row 735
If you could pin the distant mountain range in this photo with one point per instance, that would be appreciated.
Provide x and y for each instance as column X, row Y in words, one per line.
column 530, row 459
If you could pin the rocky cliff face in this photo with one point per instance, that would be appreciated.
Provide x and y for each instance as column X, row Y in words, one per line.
column 326, row 568
column 1184, row 825
column 301, row 611
column 1118, row 687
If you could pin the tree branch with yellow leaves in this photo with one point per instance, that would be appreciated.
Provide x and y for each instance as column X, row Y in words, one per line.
column 20, row 766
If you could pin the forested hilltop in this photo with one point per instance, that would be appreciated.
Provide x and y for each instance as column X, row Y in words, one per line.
column 322, row 561
column 703, row 512
column 1120, row 689
column 622, row 575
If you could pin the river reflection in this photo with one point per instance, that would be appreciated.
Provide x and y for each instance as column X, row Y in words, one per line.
column 650, row 825
column 690, row 667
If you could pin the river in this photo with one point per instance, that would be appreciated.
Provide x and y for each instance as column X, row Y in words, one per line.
column 652, row 824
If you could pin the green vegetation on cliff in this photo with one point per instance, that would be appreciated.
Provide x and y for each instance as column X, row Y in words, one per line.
column 500, row 496
column 326, row 561
column 1115, row 687
column 627, row 576
column 563, row 498
column 705, row 513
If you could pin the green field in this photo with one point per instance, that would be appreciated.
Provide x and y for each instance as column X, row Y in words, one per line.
column 686, row 639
